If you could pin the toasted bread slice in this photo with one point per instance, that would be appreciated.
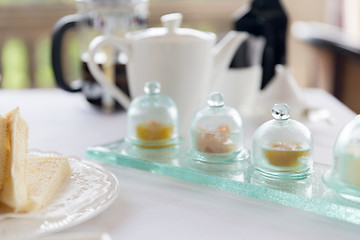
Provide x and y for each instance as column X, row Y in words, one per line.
column 44, row 176
column 14, row 191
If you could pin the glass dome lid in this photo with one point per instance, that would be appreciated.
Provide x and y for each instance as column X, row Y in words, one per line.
column 282, row 147
column 216, row 132
column 152, row 119
column 344, row 176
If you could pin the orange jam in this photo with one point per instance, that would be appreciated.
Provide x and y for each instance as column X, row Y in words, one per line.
column 285, row 154
column 215, row 141
column 153, row 130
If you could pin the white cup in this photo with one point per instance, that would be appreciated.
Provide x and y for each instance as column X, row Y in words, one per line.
column 240, row 87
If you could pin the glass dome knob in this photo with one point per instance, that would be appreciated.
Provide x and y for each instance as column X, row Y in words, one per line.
column 152, row 87
column 216, row 99
column 281, row 111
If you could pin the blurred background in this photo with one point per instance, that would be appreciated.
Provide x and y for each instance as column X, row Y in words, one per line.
column 323, row 51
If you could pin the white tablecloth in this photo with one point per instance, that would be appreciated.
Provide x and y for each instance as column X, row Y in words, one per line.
column 156, row 207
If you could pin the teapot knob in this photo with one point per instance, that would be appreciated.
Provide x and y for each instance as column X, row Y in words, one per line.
column 172, row 21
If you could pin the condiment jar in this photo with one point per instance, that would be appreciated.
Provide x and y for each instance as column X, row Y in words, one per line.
column 282, row 147
column 152, row 119
column 216, row 132
column 344, row 176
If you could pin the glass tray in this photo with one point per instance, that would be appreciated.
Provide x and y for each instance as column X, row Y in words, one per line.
column 310, row 194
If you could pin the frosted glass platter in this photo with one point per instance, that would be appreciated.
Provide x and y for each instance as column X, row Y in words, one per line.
column 88, row 191
column 310, row 194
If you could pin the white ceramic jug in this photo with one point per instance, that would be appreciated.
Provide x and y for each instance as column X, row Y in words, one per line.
column 185, row 61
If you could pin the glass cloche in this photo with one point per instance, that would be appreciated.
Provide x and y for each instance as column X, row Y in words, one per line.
column 344, row 176
column 282, row 147
column 152, row 119
column 216, row 132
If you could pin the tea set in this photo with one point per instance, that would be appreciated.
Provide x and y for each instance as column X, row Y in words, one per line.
column 186, row 62
column 179, row 67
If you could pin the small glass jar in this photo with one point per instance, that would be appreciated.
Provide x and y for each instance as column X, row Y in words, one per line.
column 282, row 148
column 344, row 176
column 216, row 132
column 152, row 119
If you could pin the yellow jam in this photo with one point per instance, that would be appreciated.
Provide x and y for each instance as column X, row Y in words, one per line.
column 285, row 154
column 215, row 141
column 154, row 131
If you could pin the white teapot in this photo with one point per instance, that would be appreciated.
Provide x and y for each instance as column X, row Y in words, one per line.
column 185, row 61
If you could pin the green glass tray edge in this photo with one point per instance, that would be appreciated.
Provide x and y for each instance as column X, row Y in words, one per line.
column 331, row 205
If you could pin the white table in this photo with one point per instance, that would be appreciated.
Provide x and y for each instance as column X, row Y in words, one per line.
column 157, row 207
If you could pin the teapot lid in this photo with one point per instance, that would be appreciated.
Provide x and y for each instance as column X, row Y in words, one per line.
column 171, row 29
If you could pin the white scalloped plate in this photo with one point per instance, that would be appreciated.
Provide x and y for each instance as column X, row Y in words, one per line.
column 89, row 190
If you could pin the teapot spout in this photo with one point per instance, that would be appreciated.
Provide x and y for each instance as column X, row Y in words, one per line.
column 224, row 51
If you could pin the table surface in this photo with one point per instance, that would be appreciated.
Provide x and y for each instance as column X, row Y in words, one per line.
column 158, row 207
